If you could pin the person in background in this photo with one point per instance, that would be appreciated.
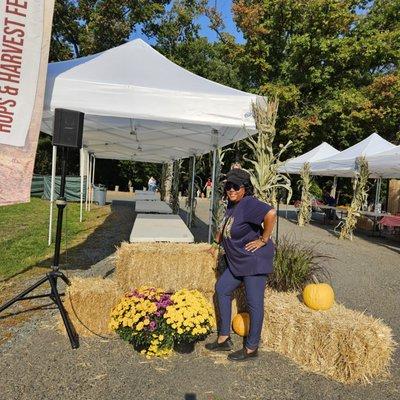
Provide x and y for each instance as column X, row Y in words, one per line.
column 236, row 165
column 245, row 235
column 330, row 201
column 152, row 185
column 208, row 188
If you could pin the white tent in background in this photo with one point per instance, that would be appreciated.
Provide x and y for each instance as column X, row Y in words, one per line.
column 344, row 164
column 294, row 165
column 139, row 105
column 385, row 164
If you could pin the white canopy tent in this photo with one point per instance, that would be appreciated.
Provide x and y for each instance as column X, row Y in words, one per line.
column 294, row 165
column 385, row 164
column 344, row 164
column 140, row 106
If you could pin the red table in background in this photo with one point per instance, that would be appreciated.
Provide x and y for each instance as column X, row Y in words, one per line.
column 390, row 221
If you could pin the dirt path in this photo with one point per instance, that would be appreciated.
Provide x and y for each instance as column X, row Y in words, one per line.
column 37, row 362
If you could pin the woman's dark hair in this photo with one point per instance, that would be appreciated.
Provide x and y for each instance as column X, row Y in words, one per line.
column 248, row 189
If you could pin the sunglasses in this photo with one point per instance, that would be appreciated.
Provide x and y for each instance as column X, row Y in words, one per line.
column 234, row 186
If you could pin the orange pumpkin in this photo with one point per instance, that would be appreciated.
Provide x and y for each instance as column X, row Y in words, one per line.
column 241, row 324
column 318, row 296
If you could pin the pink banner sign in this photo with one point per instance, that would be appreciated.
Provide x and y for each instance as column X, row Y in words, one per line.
column 25, row 27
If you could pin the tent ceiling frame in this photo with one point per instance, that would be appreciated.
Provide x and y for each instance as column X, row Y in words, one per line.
column 161, row 131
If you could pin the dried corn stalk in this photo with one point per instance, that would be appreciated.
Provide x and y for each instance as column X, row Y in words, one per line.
column 219, row 204
column 264, row 175
column 165, row 186
column 304, row 216
column 174, row 197
column 359, row 198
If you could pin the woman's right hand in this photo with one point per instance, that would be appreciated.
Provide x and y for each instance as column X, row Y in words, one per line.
column 213, row 251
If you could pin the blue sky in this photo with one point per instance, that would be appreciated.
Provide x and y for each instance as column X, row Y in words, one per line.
column 224, row 7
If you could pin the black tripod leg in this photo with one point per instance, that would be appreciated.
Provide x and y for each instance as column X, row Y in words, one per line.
column 63, row 277
column 73, row 337
column 23, row 294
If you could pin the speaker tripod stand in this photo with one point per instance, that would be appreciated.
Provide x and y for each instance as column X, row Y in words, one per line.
column 55, row 274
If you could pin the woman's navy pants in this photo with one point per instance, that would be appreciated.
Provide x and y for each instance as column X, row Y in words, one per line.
column 255, row 288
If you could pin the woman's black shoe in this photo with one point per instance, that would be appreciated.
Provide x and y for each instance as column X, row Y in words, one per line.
column 242, row 355
column 226, row 345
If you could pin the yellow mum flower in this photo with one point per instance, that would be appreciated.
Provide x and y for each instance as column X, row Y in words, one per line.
column 139, row 326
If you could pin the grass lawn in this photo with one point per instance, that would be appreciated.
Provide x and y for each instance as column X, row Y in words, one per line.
column 24, row 233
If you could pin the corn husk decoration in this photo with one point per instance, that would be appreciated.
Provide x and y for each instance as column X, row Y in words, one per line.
column 359, row 198
column 166, row 181
column 264, row 172
column 219, row 208
column 190, row 196
column 304, row 215
column 174, row 197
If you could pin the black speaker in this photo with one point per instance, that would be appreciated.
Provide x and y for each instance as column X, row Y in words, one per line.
column 68, row 128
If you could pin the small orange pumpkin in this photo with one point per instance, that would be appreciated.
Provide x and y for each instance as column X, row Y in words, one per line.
column 241, row 324
column 318, row 296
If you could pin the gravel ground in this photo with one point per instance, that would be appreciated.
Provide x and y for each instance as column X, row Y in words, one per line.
column 37, row 362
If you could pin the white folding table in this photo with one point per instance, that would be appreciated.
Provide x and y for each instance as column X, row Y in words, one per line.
column 154, row 207
column 160, row 228
column 145, row 196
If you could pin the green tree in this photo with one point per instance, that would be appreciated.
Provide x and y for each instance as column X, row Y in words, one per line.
column 83, row 27
column 177, row 36
column 139, row 173
column 43, row 155
column 323, row 58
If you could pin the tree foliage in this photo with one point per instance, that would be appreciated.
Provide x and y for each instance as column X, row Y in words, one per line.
column 83, row 27
column 323, row 58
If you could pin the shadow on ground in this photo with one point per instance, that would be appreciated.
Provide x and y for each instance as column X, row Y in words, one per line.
column 103, row 241
column 199, row 228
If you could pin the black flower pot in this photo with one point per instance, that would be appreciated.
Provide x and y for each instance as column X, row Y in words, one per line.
column 184, row 347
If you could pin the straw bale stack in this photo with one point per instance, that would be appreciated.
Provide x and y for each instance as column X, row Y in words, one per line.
column 342, row 344
column 171, row 266
column 89, row 303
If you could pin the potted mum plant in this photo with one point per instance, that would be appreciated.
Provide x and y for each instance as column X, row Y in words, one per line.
column 191, row 316
column 155, row 322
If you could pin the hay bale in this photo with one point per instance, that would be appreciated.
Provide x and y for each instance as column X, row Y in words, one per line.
column 342, row 344
column 89, row 302
column 171, row 266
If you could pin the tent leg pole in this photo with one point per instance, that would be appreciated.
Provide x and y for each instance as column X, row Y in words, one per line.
column 53, row 178
column 211, row 217
column 93, row 170
column 334, row 186
column 377, row 193
column 90, row 181
column 81, row 164
column 87, row 180
column 192, row 195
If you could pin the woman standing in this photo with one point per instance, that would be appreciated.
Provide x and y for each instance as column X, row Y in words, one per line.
column 245, row 236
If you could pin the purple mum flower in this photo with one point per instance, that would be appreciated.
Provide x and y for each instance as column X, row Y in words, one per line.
column 152, row 326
